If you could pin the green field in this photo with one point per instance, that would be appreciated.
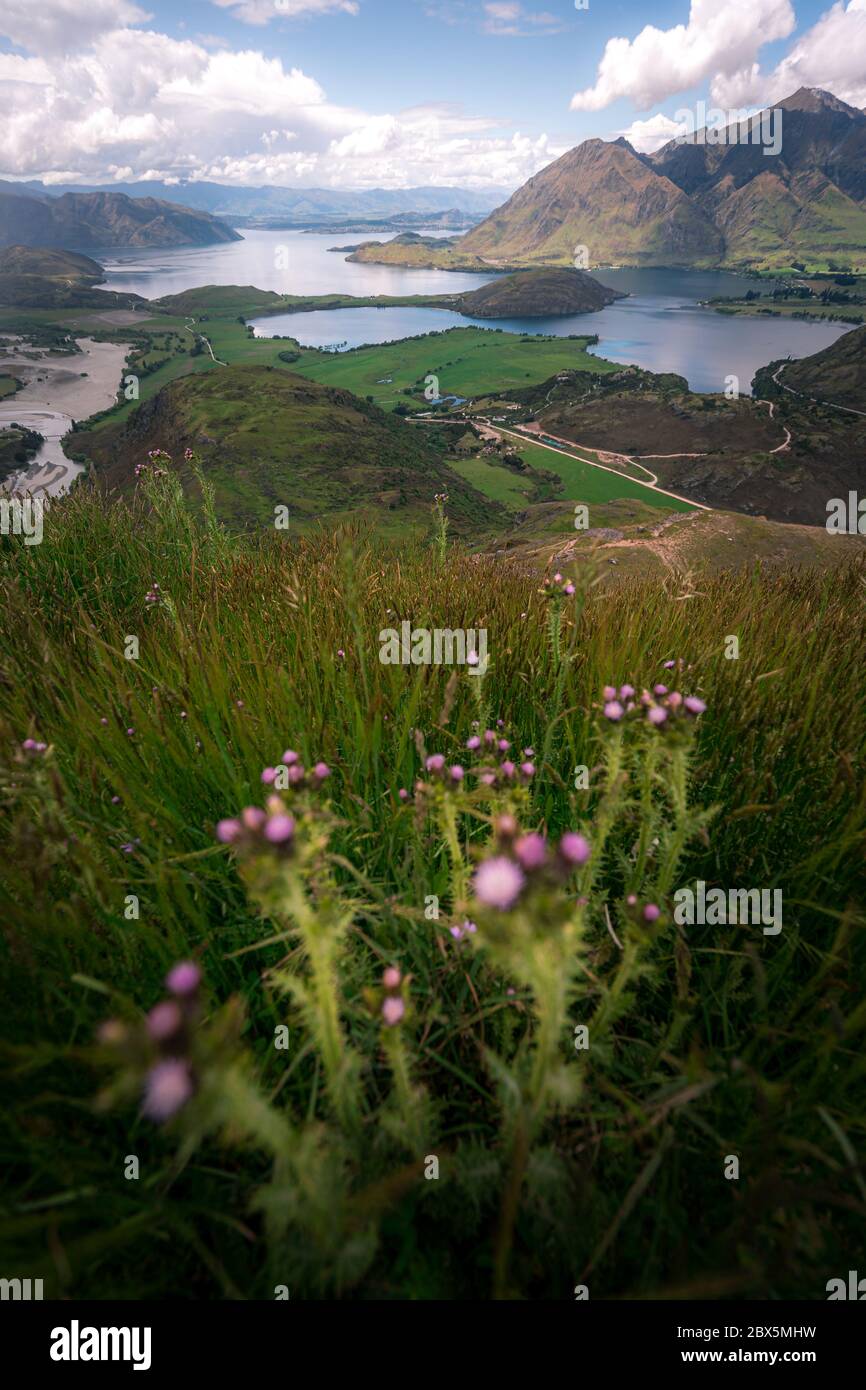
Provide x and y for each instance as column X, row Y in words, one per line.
column 494, row 480
column 468, row 362
column 581, row 482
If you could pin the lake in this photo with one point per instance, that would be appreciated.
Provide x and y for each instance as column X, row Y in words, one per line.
column 661, row 326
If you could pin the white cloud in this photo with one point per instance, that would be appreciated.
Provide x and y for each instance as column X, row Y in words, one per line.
column 263, row 11
column 138, row 104
column 647, row 136
column 64, row 26
column 719, row 42
column 832, row 55
column 504, row 17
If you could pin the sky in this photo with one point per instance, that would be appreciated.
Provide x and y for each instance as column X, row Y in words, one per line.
column 389, row 93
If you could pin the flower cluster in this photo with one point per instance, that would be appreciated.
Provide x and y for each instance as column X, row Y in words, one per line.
column 290, row 772
column 157, row 457
column 657, row 707
column 557, row 587
column 523, row 860
column 441, row 498
column 643, row 912
column 461, row 931
column 393, row 1004
column 153, row 595
column 33, row 747
column 164, row 1048
column 254, row 829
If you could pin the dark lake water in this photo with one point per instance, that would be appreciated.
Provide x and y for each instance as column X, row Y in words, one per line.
column 661, row 326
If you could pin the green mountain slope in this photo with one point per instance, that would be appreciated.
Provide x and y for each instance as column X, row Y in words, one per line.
column 104, row 219
column 271, row 438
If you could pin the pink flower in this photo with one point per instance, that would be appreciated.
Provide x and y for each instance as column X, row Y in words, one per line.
column 164, row 1020
column 183, row 978
column 435, row 762
column 290, row 757
column 657, row 715
column 609, row 692
column 403, row 794
column 227, row 831
column 675, row 699
column 321, row 771
column 669, row 665
column 391, row 977
column 626, row 692
column 167, row 1089
column 269, row 775
column 473, row 743
column 569, row 589
column 660, row 690
column 253, row 817
column 456, row 773
column 498, row 882
column 651, row 912
column 503, row 745
column 279, row 829
column 613, row 710
column 531, row 850
column 527, row 770
column 508, row 769
column 694, row 705
column 393, row 1010
column 574, row 848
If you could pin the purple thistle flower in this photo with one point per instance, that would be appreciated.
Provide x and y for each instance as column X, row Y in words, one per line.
column 168, row 1087
column 531, row 850
column 694, row 705
column 660, row 690
column 290, row 757
column 527, row 770
column 183, row 978
column 651, row 912
column 613, row 710
column 568, row 589
column 227, row 831
column 669, row 665
column 626, row 692
column 393, row 1010
column 456, row 773
column 498, row 882
column 435, row 762
column 164, row 1020
column 253, row 817
column 321, row 771
column 473, row 743
column 503, row 745
column 609, row 692
column 391, row 977
column 403, row 794
column 279, row 829
column 269, row 775
column 657, row 715
column 508, row 769
column 574, row 848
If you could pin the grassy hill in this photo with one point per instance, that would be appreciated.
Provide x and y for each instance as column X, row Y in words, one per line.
column 68, row 267
column 537, row 294
column 836, row 374
column 306, row 1166
column 268, row 437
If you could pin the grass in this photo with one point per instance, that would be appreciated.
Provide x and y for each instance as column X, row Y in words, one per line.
column 581, row 482
column 305, row 1167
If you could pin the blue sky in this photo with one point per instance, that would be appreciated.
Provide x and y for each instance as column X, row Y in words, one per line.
column 363, row 92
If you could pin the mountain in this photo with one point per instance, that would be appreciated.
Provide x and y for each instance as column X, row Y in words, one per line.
column 297, row 204
column 91, row 220
column 692, row 203
column 537, row 294
column 603, row 197
column 806, row 203
column 268, row 437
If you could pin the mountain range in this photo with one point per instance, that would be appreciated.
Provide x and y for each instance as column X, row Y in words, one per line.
column 701, row 201
column 87, row 221
column 293, row 204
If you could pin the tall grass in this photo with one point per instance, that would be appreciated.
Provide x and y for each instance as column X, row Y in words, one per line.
column 306, row 1166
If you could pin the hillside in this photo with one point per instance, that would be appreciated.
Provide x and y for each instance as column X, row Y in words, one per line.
column 537, row 294
column 268, row 437
column 836, row 374
column 91, row 220
column 67, row 267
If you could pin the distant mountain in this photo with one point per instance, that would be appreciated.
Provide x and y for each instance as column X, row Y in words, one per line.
column 537, row 294
column 296, row 204
column 93, row 220
column 693, row 203
column 808, row 202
